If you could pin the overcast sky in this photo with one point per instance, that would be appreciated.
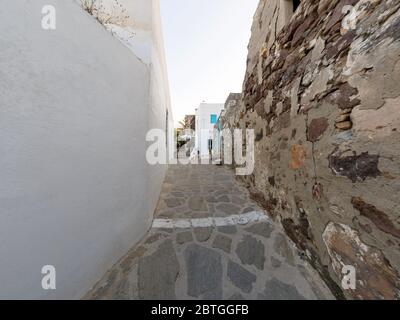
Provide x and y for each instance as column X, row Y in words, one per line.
column 206, row 48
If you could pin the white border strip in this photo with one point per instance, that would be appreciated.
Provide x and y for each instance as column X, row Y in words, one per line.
column 240, row 219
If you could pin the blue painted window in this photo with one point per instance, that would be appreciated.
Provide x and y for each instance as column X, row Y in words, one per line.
column 213, row 118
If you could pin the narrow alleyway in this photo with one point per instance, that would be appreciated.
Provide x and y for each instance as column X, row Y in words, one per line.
column 210, row 241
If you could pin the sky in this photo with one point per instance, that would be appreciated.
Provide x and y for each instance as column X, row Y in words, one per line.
column 206, row 49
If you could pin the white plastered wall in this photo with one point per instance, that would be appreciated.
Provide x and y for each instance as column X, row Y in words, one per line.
column 76, row 191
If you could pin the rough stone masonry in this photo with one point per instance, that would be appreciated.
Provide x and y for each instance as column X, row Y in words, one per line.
column 324, row 101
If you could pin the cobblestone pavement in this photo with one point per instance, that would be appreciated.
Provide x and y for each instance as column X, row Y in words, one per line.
column 200, row 191
column 230, row 258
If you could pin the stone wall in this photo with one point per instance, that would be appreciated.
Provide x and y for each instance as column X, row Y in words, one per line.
column 324, row 101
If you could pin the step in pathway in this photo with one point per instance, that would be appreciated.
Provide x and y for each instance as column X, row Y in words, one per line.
column 209, row 240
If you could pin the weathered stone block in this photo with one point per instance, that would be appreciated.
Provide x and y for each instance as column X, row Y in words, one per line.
column 240, row 277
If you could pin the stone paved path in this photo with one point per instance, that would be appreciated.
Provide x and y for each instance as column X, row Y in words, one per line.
column 230, row 259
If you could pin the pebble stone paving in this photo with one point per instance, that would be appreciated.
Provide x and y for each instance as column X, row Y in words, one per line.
column 237, row 262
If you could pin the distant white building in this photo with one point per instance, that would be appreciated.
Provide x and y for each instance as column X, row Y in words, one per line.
column 230, row 104
column 207, row 115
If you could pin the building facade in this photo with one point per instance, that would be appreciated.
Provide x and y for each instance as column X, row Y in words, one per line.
column 206, row 117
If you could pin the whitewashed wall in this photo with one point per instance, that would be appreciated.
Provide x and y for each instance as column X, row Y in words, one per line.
column 75, row 106
column 204, row 127
column 161, row 100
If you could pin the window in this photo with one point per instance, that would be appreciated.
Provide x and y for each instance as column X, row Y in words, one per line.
column 213, row 118
column 289, row 7
column 296, row 3
column 166, row 127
